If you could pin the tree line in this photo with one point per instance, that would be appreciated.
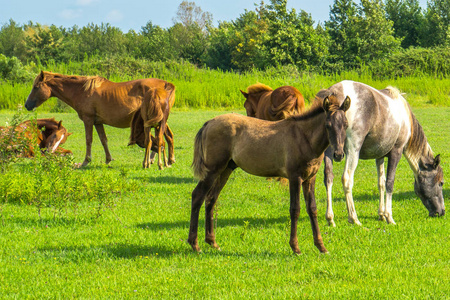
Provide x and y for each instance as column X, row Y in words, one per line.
column 371, row 33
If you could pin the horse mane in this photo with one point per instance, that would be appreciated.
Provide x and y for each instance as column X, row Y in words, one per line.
column 90, row 82
column 418, row 144
column 258, row 87
column 316, row 108
column 392, row 92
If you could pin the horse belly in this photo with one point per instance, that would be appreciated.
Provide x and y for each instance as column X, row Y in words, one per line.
column 377, row 146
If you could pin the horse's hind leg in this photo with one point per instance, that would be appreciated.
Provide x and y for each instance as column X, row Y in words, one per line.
column 168, row 134
column 328, row 181
column 381, row 187
column 211, row 199
column 310, row 200
column 198, row 197
column 102, row 135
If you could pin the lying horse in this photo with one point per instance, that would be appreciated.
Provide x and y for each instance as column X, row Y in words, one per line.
column 97, row 101
column 381, row 124
column 47, row 134
column 153, row 113
column 291, row 148
column 264, row 103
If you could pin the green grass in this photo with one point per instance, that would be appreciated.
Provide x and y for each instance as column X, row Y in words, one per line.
column 138, row 249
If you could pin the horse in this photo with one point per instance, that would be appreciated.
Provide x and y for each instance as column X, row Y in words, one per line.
column 381, row 124
column 47, row 134
column 264, row 103
column 153, row 113
column 291, row 148
column 97, row 101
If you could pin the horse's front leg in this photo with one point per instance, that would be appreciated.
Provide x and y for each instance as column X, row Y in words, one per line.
column 351, row 163
column 393, row 159
column 381, row 187
column 102, row 135
column 328, row 181
column 294, row 210
column 310, row 200
column 88, row 130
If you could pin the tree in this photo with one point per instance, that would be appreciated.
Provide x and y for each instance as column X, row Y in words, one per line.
column 156, row 43
column 12, row 40
column 408, row 21
column 437, row 23
column 190, row 14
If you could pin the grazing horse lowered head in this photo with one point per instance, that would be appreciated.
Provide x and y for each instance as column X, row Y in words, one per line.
column 381, row 124
column 264, row 103
column 291, row 148
column 97, row 101
column 47, row 134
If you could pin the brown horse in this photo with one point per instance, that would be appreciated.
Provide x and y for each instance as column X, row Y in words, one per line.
column 264, row 103
column 153, row 113
column 291, row 148
column 47, row 134
column 97, row 101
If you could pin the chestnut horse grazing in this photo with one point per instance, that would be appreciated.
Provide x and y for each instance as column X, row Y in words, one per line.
column 381, row 124
column 153, row 113
column 47, row 134
column 97, row 101
column 291, row 148
column 264, row 103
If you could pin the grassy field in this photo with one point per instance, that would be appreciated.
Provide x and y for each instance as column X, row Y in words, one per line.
column 137, row 247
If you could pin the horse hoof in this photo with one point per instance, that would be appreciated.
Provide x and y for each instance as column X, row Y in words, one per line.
column 331, row 223
column 382, row 218
column 355, row 221
column 390, row 220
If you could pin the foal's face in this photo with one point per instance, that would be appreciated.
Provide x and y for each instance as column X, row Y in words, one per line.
column 56, row 139
column 428, row 186
column 336, row 125
column 40, row 92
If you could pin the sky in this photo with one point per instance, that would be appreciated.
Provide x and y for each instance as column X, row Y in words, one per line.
column 134, row 14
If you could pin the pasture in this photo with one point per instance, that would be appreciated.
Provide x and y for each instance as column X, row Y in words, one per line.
column 134, row 245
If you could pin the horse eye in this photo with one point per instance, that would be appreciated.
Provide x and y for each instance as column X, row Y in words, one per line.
column 328, row 124
column 441, row 184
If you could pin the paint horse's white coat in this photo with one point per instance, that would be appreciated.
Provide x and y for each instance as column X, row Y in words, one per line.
column 381, row 125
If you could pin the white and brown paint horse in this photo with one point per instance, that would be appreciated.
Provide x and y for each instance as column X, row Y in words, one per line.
column 381, row 124
column 97, row 101
column 291, row 148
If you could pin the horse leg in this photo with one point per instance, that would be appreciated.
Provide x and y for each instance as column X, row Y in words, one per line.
column 381, row 187
column 347, row 181
column 159, row 137
column 168, row 134
column 310, row 200
column 102, row 135
column 294, row 210
column 148, row 143
column 393, row 159
column 328, row 181
column 88, row 130
column 211, row 199
column 198, row 197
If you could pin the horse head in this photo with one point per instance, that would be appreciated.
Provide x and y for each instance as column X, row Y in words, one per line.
column 39, row 93
column 336, row 124
column 56, row 137
column 428, row 185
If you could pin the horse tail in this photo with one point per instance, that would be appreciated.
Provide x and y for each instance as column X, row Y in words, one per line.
column 137, row 135
column 170, row 88
column 154, row 112
column 198, row 164
column 294, row 104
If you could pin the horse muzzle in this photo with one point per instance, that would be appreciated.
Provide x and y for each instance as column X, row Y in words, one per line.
column 29, row 105
column 338, row 156
column 437, row 213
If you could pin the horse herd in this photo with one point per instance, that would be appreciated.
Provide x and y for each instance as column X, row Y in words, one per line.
column 278, row 137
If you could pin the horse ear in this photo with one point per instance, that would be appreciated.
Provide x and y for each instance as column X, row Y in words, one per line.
column 244, row 93
column 41, row 76
column 437, row 161
column 69, row 133
column 346, row 105
column 59, row 124
column 326, row 104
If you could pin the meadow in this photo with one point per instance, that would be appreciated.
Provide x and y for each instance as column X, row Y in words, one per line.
column 128, row 239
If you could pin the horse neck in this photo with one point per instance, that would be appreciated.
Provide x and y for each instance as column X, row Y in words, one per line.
column 417, row 146
column 313, row 129
column 66, row 89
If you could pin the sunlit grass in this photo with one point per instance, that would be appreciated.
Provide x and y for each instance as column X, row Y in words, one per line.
column 138, row 249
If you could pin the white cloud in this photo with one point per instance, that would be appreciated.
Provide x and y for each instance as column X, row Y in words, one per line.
column 114, row 16
column 70, row 14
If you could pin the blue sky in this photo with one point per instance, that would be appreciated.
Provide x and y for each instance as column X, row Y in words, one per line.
column 134, row 14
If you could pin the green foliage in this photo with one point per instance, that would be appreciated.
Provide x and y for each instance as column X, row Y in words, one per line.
column 11, row 69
